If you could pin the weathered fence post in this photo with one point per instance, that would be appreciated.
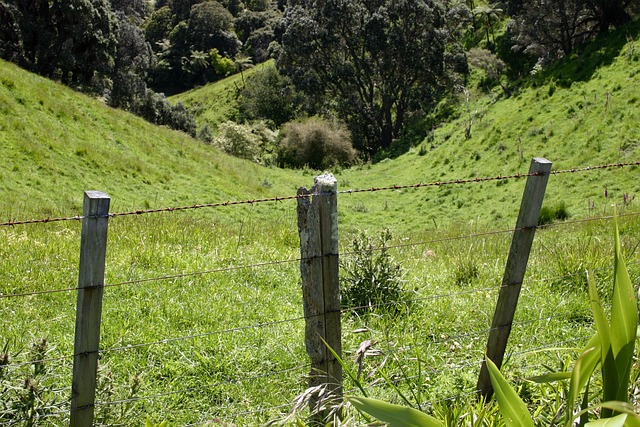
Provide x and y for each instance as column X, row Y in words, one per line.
column 90, row 288
column 515, row 269
column 318, row 229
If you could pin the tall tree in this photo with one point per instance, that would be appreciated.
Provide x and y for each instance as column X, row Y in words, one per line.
column 133, row 60
column 370, row 59
column 210, row 26
column 554, row 28
column 85, row 40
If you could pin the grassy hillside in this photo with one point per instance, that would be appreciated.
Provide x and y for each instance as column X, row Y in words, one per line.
column 581, row 112
column 572, row 121
column 188, row 341
column 56, row 143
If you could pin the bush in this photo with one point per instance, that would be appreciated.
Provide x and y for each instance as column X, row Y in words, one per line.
column 238, row 140
column 371, row 281
column 255, row 142
column 155, row 108
column 317, row 143
column 269, row 96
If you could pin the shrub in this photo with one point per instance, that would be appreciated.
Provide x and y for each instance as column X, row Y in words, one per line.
column 317, row 143
column 155, row 108
column 268, row 96
column 255, row 142
column 371, row 281
column 238, row 140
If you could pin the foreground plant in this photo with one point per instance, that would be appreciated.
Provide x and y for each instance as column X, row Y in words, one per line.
column 612, row 347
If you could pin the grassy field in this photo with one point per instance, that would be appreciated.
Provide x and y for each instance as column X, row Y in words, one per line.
column 226, row 347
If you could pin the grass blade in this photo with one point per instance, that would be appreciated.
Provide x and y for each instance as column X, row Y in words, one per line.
column 394, row 415
column 624, row 309
column 513, row 409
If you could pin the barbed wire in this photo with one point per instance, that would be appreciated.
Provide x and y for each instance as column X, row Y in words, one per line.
column 598, row 167
column 298, row 196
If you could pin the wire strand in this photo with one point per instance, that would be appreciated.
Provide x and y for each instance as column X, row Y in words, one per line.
column 299, row 196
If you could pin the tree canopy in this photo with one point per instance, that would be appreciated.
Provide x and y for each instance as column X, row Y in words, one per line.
column 371, row 60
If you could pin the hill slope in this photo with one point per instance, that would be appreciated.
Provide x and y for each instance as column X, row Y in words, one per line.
column 56, row 143
column 583, row 112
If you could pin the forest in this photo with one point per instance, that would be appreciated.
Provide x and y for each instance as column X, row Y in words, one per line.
column 380, row 72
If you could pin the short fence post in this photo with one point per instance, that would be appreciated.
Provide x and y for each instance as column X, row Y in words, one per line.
column 515, row 269
column 318, row 229
column 90, row 288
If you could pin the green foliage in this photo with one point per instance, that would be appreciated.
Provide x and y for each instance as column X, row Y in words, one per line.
column 551, row 214
column 373, row 62
column 74, row 41
column 268, row 96
column 30, row 393
column 612, row 347
column 238, row 140
column 394, row 415
column 149, row 423
column 371, row 280
column 317, row 143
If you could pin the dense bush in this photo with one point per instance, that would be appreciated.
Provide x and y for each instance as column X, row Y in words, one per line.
column 248, row 142
column 371, row 280
column 268, row 96
column 155, row 108
column 317, row 143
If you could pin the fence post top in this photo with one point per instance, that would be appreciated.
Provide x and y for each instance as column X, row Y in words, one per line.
column 94, row 194
column 541, row 160
column 326, row 179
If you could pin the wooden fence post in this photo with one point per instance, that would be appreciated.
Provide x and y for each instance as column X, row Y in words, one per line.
column 93, row 250
column 515, row 269
column 318, row 229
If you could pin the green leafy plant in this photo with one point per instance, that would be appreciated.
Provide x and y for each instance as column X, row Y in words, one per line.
column 371, row 279
column 612, row 347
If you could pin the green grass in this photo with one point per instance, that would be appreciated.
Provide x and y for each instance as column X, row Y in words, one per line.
column 56, row 144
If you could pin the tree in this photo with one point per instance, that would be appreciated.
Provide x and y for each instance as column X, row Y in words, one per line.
column 158, row 26
column 552, row 29
column 242, row 63
column 85, row 40
column 133, row 60
column 268, row 96
column 210, row 26
column 11, row 47
column 489, row 15
column 136, row 9
column 369, row 59
column 610, row 13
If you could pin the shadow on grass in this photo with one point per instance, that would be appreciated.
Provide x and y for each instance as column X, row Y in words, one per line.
column 602, row 51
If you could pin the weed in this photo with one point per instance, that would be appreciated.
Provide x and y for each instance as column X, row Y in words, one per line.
column 371, row 279
column 465, row 272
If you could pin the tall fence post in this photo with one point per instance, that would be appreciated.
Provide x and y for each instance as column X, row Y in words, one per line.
column 318, row 229
column 515, row 269
column 93, row 250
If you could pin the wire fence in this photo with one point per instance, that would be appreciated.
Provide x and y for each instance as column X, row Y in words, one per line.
column 441, row 337
column 295, row 197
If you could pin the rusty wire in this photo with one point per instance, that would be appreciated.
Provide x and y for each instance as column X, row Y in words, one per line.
column 344, row 253
column 298, row 196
